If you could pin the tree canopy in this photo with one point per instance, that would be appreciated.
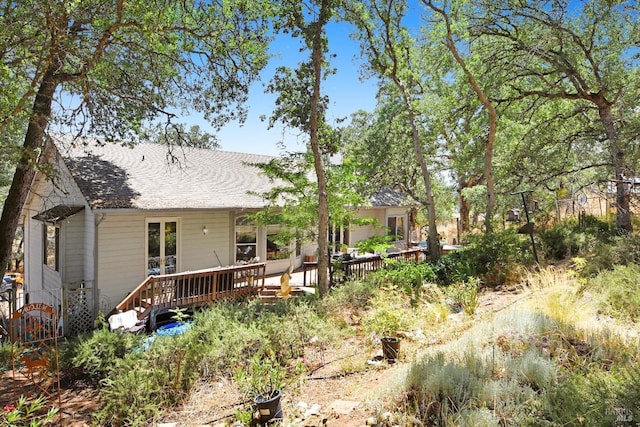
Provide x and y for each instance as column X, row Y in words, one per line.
column 109, row 69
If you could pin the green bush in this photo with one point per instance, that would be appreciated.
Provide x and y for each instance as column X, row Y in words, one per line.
column 99, row 352
column 558, row 242
column 619, row 250
column 599, row 398
column 135, row 392
column 493, row 258
column 572, row 237
column 390, row 313
column 408, row 276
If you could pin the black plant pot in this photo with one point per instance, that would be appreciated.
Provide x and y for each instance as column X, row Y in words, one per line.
column 268, row 407
column 390, row 348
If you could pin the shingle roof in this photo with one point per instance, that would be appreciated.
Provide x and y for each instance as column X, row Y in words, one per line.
column 146, row 176
column 390, row 197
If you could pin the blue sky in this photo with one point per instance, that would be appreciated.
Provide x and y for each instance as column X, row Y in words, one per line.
column 347, row 94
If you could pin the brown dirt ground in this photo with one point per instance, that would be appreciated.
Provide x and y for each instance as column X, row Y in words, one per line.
column 345, row 400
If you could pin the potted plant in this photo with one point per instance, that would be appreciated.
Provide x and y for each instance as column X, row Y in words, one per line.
column 375, row 244
column 263, row 379
column 386, row 319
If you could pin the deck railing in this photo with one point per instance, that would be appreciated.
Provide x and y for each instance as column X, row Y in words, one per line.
column 159, row 294
column 357, row 268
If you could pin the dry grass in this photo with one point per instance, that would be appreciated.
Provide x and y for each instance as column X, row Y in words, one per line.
column 491, row 370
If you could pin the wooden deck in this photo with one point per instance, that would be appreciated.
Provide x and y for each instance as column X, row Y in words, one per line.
column 357, row 268
column 159, row 294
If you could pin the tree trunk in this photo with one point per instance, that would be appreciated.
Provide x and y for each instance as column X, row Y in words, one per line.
column 623, row 192
column 464, row 205
column 434, row 239
column 323, row 204
column 33, row 150
column 488, row 167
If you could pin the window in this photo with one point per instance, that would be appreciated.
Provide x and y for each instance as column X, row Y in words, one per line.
column 246, row 239
column 274, row 249
column 51, row 240
column 396, row 227
column 162, row 246
column 338, row 236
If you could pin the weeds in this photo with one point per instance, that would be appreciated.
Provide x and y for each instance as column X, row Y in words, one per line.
column 617, row 291
column 464, row 295
column 32, row 413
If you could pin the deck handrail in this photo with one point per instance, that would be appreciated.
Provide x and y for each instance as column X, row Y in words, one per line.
column 193, row 288
column 360, row 267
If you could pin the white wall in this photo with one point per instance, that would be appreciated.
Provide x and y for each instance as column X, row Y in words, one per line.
column 358, row 234
column 121, row 246
column 45, row 195
column 73, row 248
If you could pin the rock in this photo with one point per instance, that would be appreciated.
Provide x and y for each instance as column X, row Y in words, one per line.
column 314, row 410
column 372, row 421
column 300, row 408
column 343, row 407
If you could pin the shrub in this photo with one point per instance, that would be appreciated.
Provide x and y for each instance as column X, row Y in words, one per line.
column 355, row 294
column 99, row 352
column 134, row 392
column 390, row 313
column 260, row 376
column 494, row 258
column 559, row 241
column 619, row 250
column 407, row 276
column 440, row 388
column 599, row 398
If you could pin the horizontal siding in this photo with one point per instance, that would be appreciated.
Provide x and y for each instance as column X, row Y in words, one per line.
column 120, row 252
column 44, row 195
column 198, row 248
column 121, row 247
column 73, row 249
column 358, row 234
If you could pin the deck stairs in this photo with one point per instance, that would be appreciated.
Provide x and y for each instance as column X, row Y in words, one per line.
column 159, row 294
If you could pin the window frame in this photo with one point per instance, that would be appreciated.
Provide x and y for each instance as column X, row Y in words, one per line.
column 392, row 230
column 51, row 245
column 238, row 224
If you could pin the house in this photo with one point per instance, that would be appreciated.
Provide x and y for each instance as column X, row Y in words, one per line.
column 113, row 214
